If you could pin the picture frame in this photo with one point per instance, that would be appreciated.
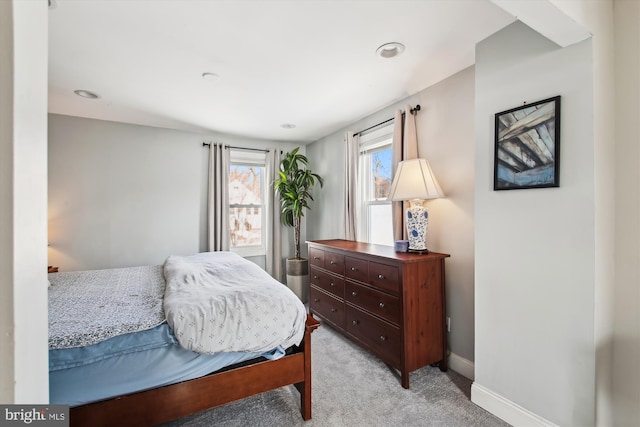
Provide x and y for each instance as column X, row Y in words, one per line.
column 527, row 146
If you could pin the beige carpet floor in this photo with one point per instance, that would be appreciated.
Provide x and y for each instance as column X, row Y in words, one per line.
column 351, row 388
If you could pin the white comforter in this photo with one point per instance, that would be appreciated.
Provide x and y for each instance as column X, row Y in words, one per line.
column 218, row 301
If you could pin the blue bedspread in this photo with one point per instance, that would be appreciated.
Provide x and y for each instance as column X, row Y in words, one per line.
column 130, row 363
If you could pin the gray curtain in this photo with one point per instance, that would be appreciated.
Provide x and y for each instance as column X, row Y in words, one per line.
column 396, row 156
column 274, row 241
column 352, row 143
column 410, row 135
column 218, row 198
column 404, row 147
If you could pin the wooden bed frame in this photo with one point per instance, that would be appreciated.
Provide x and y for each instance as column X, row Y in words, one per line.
column 167, row 403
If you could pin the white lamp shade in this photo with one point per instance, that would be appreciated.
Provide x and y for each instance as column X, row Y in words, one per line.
column 414, row 180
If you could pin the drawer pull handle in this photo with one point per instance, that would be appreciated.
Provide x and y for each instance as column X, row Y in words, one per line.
column 383, row 338
column 332, row 284
column 380, row 276
column 333, row 310
column 316, row 258
column 315, row 276
column 355, row 322
column 316, row 300
column 354, row 293
column 333, row 262
column 354, row 268
column 381, row 305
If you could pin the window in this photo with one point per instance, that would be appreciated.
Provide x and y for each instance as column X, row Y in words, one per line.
column 247, row 189
column 374, row 182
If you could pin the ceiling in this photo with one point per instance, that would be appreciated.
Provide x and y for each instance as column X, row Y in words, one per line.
column 311, row 63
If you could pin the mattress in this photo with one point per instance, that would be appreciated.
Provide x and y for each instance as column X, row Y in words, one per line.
column 130, row 363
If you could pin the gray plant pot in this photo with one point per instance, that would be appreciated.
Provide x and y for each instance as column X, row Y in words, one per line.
column 298, row 277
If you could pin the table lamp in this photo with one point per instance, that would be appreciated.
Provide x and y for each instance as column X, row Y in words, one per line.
column 415, row 182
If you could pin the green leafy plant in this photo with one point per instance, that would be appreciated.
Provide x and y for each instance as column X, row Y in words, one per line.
column 294, row 186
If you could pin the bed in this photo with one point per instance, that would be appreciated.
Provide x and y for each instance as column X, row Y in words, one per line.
column 145, row 345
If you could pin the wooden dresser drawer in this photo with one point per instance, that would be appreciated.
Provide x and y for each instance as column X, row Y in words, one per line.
column 331, row 261
column 356, row 269
column 334, row 262
column 316, row 257
column 382, row 337
column 376, row 302
column 326, row 281
column 327, row 306
column 385, row 277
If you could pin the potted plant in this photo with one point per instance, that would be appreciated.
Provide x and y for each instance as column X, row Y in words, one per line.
column 294, row 185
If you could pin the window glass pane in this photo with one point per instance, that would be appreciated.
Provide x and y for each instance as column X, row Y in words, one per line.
column 246, row 181
column 380, row 174
column 374, row 183
column 380, row 225
column 245, row 226
column 245, row 185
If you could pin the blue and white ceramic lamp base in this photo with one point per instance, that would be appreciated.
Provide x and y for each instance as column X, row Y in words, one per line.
column 417, row 221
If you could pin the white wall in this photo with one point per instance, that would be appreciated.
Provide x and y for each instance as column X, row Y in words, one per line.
column 597, row 17
column 446, row 138
column 123, row 195
column 626, row 344
column 24, row 371
column 535, row 249
column 7, row 369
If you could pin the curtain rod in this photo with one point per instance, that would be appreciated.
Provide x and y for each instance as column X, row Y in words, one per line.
column 413, row 111
column 208, row 144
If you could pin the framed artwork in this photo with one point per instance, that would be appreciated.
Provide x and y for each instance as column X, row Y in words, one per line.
column 527, row 146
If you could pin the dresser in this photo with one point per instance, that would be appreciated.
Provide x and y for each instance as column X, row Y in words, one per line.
column 390, row 303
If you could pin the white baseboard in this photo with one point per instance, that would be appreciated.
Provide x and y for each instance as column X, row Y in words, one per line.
column 503, row 408
column 462, row 366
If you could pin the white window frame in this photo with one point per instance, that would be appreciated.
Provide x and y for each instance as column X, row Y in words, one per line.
column 378, row 139
column 255, row 158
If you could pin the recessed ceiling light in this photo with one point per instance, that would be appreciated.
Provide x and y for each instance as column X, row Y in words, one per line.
column 210, row 76
column 390, row 50
column 287, row 125
column 86, row 94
